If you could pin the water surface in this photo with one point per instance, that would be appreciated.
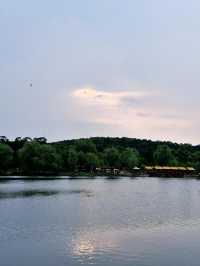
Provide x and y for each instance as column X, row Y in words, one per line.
column 144, row 221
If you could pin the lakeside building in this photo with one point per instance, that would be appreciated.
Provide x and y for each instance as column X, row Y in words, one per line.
column 151, row 171
column 119, row 172
column 108, row 171
column 170, row 171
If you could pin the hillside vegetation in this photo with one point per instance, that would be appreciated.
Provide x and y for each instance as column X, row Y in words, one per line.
column 37, row 156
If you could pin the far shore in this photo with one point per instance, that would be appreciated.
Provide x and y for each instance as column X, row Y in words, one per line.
column 84, row 177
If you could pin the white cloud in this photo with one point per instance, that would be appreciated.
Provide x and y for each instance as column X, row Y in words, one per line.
column 90, row 95
column 110, row 107
column 132, row 113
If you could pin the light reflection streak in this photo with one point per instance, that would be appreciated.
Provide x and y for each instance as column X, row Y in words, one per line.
column 89, row 244
column 83, row 248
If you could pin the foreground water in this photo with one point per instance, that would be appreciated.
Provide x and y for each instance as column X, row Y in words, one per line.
column 144, row 221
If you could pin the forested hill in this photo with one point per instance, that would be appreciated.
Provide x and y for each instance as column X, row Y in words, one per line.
column 33, row 156
column 183, row 153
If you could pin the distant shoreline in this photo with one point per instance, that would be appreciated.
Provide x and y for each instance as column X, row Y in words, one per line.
column 95, row 157
column 85, row 177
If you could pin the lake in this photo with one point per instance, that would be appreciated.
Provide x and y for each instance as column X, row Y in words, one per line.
column 140, row 222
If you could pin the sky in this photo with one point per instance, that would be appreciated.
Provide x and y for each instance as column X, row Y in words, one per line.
column 71, row 69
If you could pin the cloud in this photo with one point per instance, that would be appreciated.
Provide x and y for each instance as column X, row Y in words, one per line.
column 90, row 95
column 91, row 111
column 111, row 107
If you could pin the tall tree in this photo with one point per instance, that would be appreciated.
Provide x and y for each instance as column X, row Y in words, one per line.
column 196, row 160
column 129, row 158
column 92, row 161
column 35, row 158
column 4, row 139
column 163, row 156
column 86, row 145
column 72, row 160
column 112, row 157
column 6, row 157
column 41, row 140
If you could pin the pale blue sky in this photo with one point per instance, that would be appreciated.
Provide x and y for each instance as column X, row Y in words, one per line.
column 100, row 68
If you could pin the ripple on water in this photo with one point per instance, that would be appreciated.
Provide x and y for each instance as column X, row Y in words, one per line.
column 129, row 222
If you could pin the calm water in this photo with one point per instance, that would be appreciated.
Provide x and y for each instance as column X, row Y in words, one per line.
column 144, row 221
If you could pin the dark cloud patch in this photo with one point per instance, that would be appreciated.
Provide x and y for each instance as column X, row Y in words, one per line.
column 171, row 116
column 99, row 97
column 141, row 114
column 131, row 101
column 163, row 116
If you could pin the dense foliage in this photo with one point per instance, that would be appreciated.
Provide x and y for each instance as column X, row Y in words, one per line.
column 36, row 156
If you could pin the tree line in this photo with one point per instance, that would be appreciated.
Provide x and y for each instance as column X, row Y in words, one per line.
column 37, row 156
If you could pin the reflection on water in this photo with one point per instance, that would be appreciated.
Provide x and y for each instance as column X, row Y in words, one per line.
column 129, row 222
column 91, row 242
column 27, row 193
column 82, row 248
column 41, row 193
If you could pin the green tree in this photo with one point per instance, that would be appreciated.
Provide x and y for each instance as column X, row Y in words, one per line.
column 50, row 160
column 163, row 156
column 85, row 145
column 196, row 160
column 184, row 154
column 35, row 158
column 29, row 156
column 72, row 160
column 6, row 157
column 41, row 140
column 92, row 161
column 82, row 162
column 4, row 139
column 129, row 158
column 112, row 157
